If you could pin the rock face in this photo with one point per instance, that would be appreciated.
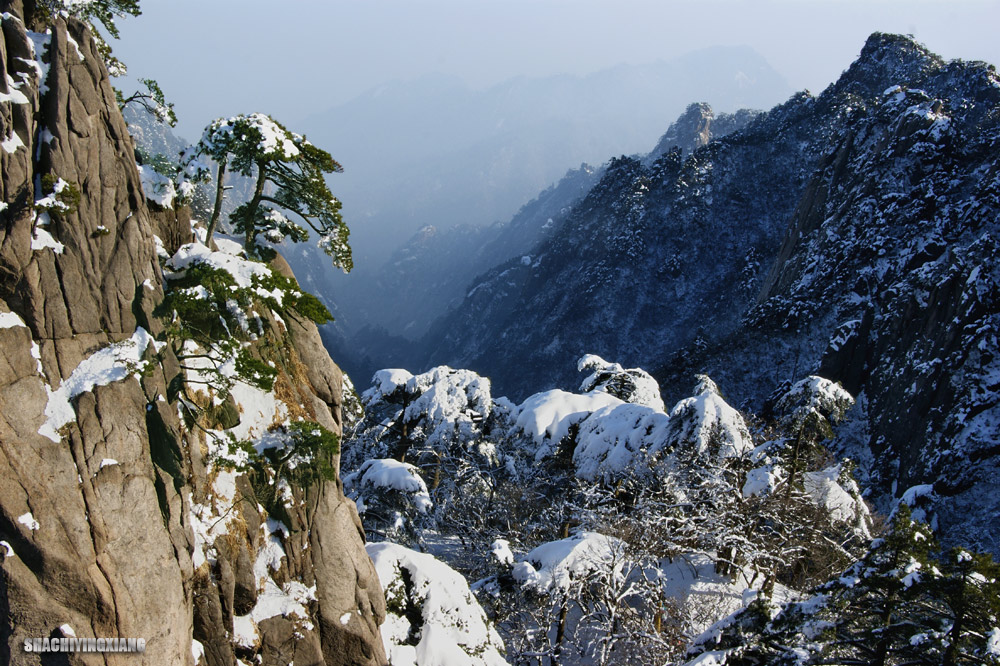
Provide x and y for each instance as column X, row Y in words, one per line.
column 96, row 534
column 849, row 235
column 696, row 127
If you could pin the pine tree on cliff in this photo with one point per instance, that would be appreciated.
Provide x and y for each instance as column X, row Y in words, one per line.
column 256, row 145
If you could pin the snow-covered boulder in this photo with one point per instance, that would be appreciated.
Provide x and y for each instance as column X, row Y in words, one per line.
column 707, row 423
column 633, row 385
column 432, row 617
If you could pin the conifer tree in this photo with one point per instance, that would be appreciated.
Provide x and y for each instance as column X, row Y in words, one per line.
column 289, row 180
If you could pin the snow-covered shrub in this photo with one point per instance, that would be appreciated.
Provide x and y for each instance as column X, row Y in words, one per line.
column 707, row 424
column 432, row 617
column 591, row 598
column 438, row 422
column 813, row 399
column 392, row 499
column 615, row 442
column 548, row 417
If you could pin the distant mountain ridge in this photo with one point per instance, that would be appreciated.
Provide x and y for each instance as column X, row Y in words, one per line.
column 849, row 235
column 435, row 152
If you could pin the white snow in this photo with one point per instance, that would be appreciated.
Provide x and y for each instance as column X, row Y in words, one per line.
column 242, row 270
column 386, row 473
column 42, row 239
column 8, row 551
column 446, row 402
column 706, row 419
column 12, row 143
column 453, row 629
column 548, row 416
column 39, row 45
column 67, row 631
column 228, row 245
column 646, row 391
column 710, row 658
column 28, row 521
column 11, row 320
column 197, row 651
column 760, row 481
column 913, row 493
column 15, row 96
column 614, row 440
column 157, row 188
column 501, row 552
column 814, row 395
column 108, row 462
column 826, row 491
column 385, row 382
column 110, row 364
column 345, row 619
column 76, row 46
column 993, row 642
column 554, row 565
column 288, row 600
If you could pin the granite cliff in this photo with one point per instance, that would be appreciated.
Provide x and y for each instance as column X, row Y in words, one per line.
column 117, row 516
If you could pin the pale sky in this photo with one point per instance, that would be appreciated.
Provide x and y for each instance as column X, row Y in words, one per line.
column 292, row 59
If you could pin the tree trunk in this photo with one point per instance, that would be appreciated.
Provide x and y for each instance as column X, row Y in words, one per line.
column 219, row 193
column 560, row 635
column 250, row 224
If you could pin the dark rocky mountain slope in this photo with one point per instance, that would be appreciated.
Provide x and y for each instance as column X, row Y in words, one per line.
column 850, row 234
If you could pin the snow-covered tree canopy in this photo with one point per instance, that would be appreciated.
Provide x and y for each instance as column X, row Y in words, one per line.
column 290, row 180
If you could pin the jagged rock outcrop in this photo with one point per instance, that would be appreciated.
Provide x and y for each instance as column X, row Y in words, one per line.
column 98, row 474
column 696, row 127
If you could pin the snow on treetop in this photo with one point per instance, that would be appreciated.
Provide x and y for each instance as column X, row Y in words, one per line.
column 707, row 421
column 433, row 606
column 613, row 440
column 242, row 270
column 814, row 395
column 554, row 565
column 385, row 382
column 388, row 474
column 842, row 504
column 442, row 400
column 446, row 395
column 271, row 138
column 548, row 416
